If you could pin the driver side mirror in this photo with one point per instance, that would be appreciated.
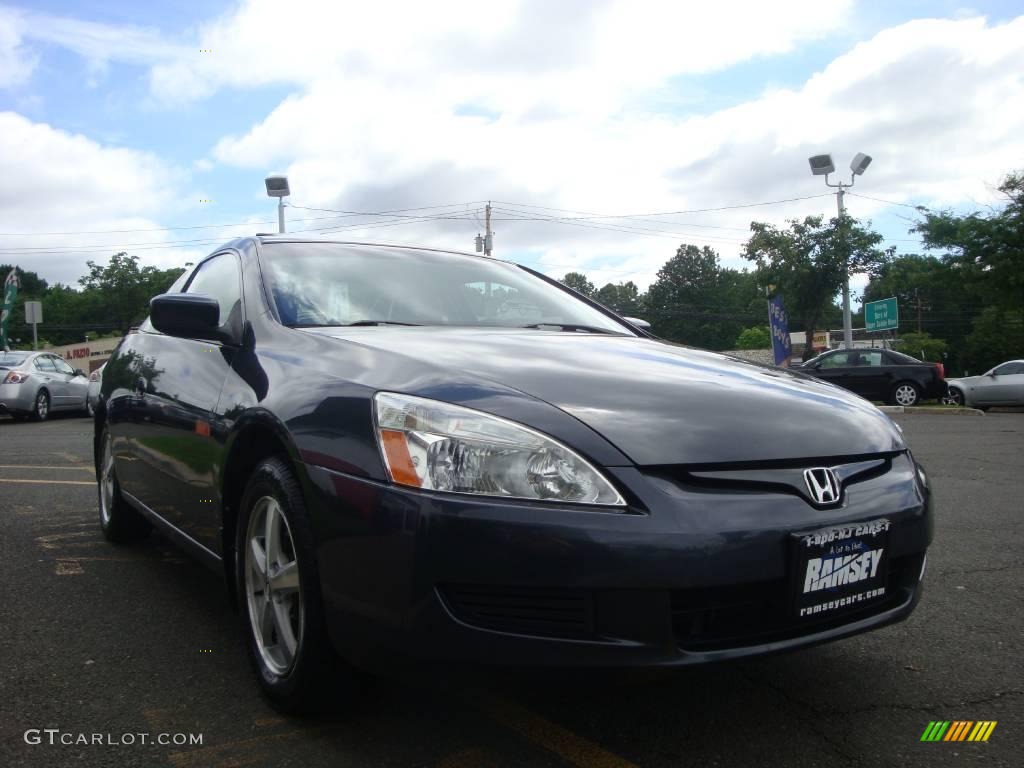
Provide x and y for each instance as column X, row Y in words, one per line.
column 188, row 316
column 638, row 322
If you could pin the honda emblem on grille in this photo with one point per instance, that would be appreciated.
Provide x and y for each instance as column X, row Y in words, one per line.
column 822, row 484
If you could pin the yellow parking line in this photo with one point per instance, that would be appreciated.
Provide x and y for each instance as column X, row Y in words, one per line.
column 42, row 466
column 48, row 482
column 563, row 742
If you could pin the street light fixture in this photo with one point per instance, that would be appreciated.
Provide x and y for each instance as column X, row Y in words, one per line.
column 822, row 165
column 277, row 186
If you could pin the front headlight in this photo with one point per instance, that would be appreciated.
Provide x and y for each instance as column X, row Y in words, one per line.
column 441, row 447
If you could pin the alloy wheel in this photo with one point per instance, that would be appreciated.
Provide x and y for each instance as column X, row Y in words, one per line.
column 272, row 586
column 42, row 405
column 906, row 394
column 106, row 481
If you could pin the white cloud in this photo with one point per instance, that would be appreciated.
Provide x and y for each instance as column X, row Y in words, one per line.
column 938, row 103
column 16, row 63
column 62, row 182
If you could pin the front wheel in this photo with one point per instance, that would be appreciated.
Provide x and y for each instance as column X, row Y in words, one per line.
column 956, row 397
column 906, row 394
column 277, row 576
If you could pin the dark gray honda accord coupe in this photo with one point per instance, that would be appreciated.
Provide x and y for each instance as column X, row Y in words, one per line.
column 393, row 452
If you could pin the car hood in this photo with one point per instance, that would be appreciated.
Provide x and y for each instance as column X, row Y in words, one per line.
column 658, row 403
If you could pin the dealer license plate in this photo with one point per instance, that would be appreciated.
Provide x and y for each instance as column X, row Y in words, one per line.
column 840, row 568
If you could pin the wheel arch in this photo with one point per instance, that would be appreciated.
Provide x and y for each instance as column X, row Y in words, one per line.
column 257, row 435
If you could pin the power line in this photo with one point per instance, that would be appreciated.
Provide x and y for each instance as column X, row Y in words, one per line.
column 887, row 202
column 738, row 206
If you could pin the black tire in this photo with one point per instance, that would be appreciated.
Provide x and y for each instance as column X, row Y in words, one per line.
column 956, row 396
column 309, row 679
column 120, row 522
column 905, row 393
column 41, row 406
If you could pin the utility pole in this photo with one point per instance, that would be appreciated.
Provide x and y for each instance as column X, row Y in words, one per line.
column 489, row 236
column 485, row 243
column 920, row 306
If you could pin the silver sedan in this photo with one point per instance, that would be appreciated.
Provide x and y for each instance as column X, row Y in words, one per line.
column 95, row 382
column 1003, row 385
column 39, row 383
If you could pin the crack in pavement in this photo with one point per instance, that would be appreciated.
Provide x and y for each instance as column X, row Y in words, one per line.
column 809, row 719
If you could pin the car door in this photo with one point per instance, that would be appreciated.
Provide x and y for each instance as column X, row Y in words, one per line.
column 51, row 380
column 868, row 374
column 1005, row 386
column 833, row 367
column 75, row 387
column 179, row 386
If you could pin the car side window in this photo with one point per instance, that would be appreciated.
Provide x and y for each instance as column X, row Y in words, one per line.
column 838, row 360
column 62, row 366
column 45, row 364
column 220, row 278
column 1007, row 368
column 872, row 359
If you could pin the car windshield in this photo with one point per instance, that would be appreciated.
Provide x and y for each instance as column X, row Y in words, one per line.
column 12, row 359
column 332, row 284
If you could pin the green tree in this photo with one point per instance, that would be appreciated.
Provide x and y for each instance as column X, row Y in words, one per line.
column 124, row 288
column 624, row 298
column 696, row 301
column 923, row 347
column 939, row 292
column 807, row 262
column 989, row 247
column 755, row 337
column 579, row 283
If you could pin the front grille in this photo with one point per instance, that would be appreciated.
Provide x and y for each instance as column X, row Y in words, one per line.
column 740, row 615
column 567, row 613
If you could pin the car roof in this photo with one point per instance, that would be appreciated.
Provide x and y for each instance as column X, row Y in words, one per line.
column 268, row 239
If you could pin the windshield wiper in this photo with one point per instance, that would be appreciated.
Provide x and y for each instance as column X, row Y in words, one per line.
column 349, row 325
column 574, row 327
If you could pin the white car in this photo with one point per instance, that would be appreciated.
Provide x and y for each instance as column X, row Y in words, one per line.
column 1003, row 385
column 95, row 380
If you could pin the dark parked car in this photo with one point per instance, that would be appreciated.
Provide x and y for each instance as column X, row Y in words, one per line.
column 391, row 451
column 879, row 374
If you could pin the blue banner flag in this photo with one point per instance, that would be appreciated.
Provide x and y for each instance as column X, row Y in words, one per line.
column 781, row 345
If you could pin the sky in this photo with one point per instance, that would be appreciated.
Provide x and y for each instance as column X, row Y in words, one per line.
column 605, row 133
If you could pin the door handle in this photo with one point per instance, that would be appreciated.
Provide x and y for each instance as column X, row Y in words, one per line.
column 140, row 386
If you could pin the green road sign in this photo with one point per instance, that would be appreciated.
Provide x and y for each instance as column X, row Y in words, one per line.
column 881, row 315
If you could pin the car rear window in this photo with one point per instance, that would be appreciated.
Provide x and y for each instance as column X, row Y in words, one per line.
column 12, row 359
column 902, row 359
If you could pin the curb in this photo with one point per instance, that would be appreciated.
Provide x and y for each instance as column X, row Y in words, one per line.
column 916, row 409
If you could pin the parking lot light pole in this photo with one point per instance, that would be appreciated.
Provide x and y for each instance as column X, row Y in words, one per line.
column 822, row 165
column 277, row 186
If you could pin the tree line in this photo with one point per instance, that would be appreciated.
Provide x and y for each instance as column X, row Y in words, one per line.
column 961, row 302
column 110, row 299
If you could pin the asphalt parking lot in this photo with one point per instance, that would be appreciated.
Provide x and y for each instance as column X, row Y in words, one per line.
column 132, row 640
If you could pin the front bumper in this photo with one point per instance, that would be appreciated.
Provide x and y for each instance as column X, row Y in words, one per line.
column 690, row 575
